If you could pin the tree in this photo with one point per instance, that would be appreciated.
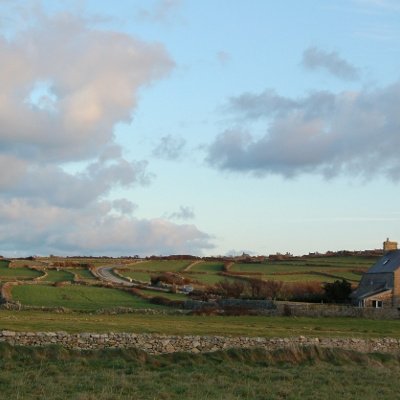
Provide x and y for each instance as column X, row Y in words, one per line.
column 338, row 291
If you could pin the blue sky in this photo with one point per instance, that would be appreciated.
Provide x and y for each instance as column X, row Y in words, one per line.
column 202, row 127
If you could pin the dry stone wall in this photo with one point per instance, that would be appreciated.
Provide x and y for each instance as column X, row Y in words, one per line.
column 162, row 344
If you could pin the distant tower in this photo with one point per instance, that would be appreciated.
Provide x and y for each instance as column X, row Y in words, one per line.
column 389, row 246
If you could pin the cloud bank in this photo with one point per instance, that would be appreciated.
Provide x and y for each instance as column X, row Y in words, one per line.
column 352, row 132
column 65, row 85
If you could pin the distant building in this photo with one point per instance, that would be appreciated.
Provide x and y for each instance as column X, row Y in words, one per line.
column 389, row 246
column 380, row 285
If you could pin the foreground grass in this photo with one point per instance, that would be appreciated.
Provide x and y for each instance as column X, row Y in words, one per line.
column 199, row 325
column 56, row 373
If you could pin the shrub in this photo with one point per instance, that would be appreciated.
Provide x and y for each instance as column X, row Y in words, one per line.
column 338, row 291
column 229, row 289
column 303, row 291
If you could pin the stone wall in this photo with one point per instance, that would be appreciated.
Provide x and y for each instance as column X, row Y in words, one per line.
column 334, row 310
column 162, row 344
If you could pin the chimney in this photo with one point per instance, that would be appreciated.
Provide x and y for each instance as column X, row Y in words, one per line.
column 389, row 246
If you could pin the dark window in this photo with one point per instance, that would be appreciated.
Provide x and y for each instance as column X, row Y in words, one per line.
column 377, row 303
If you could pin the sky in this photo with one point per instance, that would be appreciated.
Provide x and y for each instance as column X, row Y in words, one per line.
column 210, row 127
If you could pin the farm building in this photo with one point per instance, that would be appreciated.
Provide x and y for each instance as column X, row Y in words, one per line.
column 380, row 285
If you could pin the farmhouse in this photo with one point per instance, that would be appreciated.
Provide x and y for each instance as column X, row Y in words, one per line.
column 380, row 285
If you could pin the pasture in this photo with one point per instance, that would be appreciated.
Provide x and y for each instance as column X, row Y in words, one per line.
column 58, row 276
column 76, row 297
column 155, row 266
column 200, row 273
column 19, row 273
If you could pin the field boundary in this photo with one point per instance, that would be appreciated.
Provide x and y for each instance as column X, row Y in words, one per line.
column 162, row 344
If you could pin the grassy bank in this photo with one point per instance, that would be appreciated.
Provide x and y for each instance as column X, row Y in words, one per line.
column 199, row 325
column 55, row 373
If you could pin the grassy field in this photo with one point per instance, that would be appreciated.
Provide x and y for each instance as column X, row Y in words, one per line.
column 298, row 277
column 77, row 297
column 207, row 278
column 161, row 265
column 208, row 266
column 7, row 274
column 170, row 296
column 309, row 269
column 312, row 374
column 140, row 276
column 82, row 273
column 58, row 276
column 199, row 325
column 206, row 272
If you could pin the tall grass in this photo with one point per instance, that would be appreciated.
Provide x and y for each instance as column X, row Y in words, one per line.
column 314, row 373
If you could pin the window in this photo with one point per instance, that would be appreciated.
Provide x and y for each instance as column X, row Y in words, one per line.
column 377, row 303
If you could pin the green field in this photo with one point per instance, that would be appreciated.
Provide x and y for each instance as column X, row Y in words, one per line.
column 82, row 273
column 208, row 279
column 58, row 276
column 298, row 278
column 75, row 297
column 161, row 265
column 208, row 266
column 168, row 295
column 7, row 274
column 137, row 275
column 310, row 374
column 199, row 325
column 307, row 269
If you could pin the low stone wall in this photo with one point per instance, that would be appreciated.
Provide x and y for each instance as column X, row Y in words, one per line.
column 334, row 310
column 162, row 344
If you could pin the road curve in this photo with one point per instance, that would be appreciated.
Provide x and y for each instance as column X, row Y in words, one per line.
column 106, row 274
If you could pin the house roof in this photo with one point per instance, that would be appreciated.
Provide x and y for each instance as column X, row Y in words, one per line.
column 369, row 290
column 388, row 263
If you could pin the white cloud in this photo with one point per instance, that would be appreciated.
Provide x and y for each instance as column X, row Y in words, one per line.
column 64, row 87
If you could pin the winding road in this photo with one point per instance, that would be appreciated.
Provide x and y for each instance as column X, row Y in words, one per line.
column 107, row 274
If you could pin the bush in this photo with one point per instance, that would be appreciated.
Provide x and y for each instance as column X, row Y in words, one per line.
column 338, row 291
column 229, row 289
column 260, row 289
column 303, row 291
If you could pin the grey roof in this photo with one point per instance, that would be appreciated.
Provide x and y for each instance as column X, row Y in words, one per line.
column 369, row 290
column 388, row 263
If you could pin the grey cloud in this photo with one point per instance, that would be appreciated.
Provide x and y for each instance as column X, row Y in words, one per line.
column 347, row 133
column 314, row 58
column 170, row 147
column 61, row 188
column 124, row 206
column 184, row 213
